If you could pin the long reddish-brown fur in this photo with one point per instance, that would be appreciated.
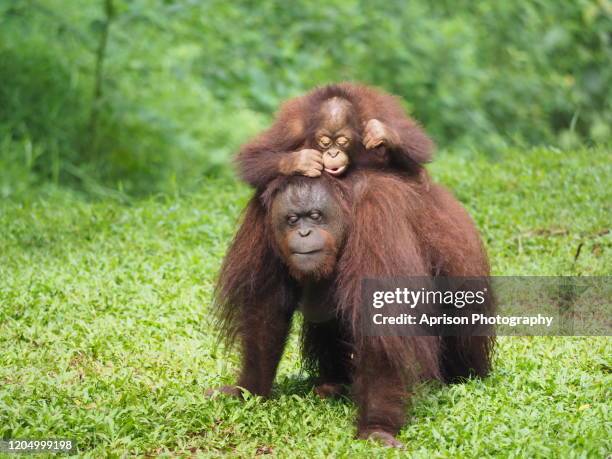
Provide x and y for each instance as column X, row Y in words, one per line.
column 396, row 227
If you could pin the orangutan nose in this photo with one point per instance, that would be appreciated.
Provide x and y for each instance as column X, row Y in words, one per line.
column 333, row 153
column 304, row 232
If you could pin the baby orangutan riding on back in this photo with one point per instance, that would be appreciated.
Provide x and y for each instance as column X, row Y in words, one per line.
column 331, row 129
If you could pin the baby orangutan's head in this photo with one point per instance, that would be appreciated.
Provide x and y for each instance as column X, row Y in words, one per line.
column 336, row 134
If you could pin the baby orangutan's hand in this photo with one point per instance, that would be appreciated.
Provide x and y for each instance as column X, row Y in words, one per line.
column 377, row 133
column 306, row 162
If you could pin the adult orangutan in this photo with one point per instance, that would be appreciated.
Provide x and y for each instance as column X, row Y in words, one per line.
column 306, row 244
column 332, row 128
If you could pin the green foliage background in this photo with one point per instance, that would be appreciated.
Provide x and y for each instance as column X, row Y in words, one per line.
column 183, row 83
column 117, row 203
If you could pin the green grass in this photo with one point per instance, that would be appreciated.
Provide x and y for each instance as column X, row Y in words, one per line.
column 106, row 337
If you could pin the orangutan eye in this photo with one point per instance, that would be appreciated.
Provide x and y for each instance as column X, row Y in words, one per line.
column 342, row 141
column 292, row 219
column 316, row 215
column 325, row 141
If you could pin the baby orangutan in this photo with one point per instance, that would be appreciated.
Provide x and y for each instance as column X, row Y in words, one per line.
column 332, row 128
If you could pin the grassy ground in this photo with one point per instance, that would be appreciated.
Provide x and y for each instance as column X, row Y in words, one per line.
column 106, row 338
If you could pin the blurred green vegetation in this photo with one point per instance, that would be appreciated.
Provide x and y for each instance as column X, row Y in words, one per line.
column 127, row 97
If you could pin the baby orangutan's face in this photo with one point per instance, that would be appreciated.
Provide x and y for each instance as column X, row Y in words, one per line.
column 335, row 136
column 335, row 156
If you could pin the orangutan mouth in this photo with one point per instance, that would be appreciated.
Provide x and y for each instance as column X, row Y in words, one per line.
column 335, row 170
